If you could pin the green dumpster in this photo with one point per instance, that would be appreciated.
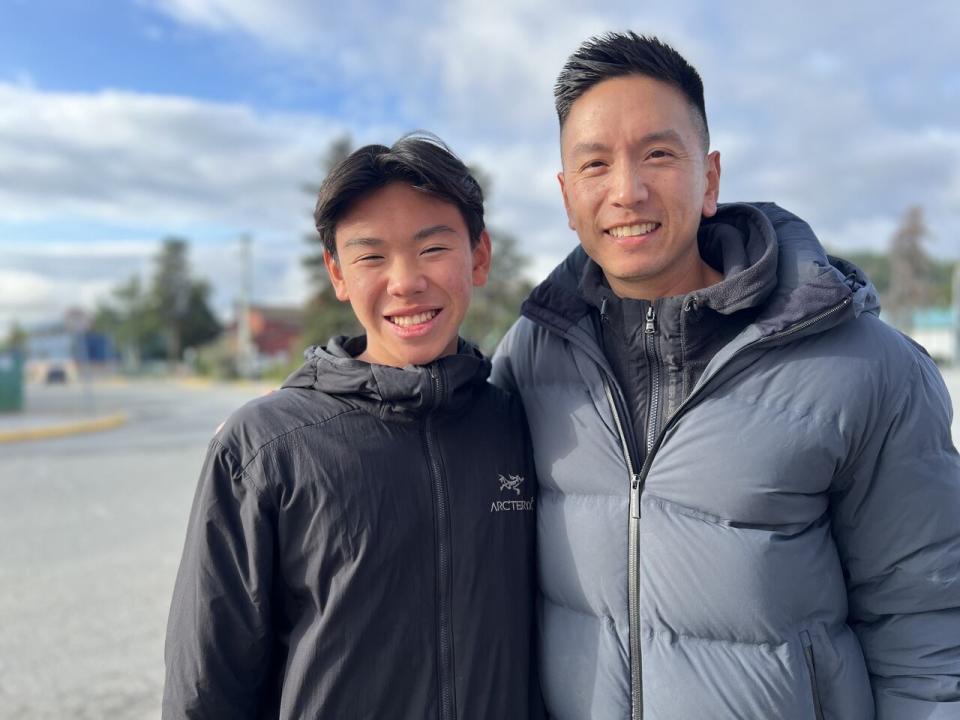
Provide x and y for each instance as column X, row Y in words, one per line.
column 11, row 381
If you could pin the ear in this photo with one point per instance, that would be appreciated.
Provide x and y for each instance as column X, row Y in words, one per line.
column 336, row 276
column 712, row 192
column 566, row 202
column 482, row 256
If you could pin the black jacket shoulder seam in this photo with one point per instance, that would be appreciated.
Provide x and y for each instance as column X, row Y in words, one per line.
column 282, row 435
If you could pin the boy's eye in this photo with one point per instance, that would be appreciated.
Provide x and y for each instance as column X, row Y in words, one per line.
column 368, row 259
column 434, row 249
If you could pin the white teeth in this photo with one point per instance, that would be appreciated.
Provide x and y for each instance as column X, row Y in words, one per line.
column 629, row 230
column 408, row 320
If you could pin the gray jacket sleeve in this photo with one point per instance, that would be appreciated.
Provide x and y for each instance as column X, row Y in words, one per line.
column 219, row 641
column 896, row 516
column 502, row 374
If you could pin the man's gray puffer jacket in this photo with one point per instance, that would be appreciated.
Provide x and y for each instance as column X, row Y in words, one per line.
column 797, row 550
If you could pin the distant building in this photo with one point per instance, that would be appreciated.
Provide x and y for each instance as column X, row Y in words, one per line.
column 59, row 351
column 936, row 330
column 274, row 333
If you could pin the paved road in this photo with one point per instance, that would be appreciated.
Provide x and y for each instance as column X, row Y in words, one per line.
column 91, row 529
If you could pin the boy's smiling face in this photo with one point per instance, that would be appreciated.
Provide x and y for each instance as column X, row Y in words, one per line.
column 405, row 264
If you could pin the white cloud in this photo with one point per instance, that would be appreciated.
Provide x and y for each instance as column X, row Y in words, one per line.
column 832, row 110
column 28, row 298
column 126, row 157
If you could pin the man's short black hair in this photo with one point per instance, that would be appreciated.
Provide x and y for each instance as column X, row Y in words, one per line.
column 613, row 55
column 420, row 160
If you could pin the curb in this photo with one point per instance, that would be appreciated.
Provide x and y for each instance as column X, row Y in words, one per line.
column 54, row 431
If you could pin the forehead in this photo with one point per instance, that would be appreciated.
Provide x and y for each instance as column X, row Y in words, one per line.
column 397, row 212
column 627, row 106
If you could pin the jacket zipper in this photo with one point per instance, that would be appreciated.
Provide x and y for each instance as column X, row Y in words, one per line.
column 653, row 360
column 804, row 324
column 633, row 570
column 637, row 482
column 793, row 329
column 444, row 579
column 812, row 670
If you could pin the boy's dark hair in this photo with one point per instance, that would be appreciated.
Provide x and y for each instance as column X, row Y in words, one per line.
column 420, row 160
column 613, row 55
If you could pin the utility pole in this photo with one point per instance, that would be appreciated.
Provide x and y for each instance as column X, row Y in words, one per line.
column 245, row 349
column 955, row 296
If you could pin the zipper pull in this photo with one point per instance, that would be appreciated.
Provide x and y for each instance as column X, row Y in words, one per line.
column 650, row 327
column 603, row 311
column 437, row 384
column 634, row 495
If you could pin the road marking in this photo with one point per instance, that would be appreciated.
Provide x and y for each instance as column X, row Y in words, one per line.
column 75, row 428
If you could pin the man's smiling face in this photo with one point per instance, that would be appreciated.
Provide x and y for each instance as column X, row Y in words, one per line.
column 405, row 263
column 636, row 180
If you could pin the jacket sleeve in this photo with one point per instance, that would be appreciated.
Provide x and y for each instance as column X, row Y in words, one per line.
column 502, row 374
column 218, row 640
column 896, row 517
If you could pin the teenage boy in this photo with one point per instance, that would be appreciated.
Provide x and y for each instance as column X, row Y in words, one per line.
column 361, row 541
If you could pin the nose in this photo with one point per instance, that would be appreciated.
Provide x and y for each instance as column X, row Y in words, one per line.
column 628, row 186
column 406, row 278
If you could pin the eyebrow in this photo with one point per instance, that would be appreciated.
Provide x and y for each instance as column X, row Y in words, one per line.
column 422, row 234
column 432, row 230
column 364, row 241
column 654, row 137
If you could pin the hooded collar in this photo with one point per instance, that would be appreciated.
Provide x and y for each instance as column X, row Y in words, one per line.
column 771, row 260
column 392, row 393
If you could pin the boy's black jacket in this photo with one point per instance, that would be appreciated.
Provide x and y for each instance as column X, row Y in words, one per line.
column 360, row 546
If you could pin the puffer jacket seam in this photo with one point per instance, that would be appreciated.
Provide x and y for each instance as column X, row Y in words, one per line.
column 558, row 491
column 652, row 632
column 705, row 516
column 807, row 415
column 578, row 611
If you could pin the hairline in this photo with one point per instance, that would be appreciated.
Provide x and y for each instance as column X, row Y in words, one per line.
column 699, row 122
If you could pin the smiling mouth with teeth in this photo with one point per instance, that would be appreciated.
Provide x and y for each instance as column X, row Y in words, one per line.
column 632, row 230
column 410, row 320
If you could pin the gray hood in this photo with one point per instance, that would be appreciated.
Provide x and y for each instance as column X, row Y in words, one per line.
column 766, row 254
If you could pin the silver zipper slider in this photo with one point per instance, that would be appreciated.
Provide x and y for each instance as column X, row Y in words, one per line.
column 635, row 495
column 650, row 327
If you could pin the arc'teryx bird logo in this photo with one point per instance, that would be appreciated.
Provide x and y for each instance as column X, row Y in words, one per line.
column 513, row 483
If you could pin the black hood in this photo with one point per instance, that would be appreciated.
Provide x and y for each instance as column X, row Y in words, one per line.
column 391, row 392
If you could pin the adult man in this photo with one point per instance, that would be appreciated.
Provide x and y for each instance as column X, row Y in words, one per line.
column 749, row 499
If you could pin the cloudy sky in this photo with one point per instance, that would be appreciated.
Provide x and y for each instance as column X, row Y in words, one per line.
column 122, row 122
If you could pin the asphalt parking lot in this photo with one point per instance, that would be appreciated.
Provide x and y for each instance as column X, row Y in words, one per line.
column 91, row 530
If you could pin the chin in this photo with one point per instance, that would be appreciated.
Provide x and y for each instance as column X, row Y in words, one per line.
column 420, row 356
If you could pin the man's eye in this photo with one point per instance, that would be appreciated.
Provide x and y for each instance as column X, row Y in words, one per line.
column 433, row 249
column 658, row 154
column 368, row 259
column 592, row 165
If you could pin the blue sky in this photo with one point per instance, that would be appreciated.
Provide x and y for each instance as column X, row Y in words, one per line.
column 123, row 122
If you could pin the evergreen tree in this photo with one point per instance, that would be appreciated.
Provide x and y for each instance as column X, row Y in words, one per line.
column 326, row 316
column 159, row 322
column 910, row 269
